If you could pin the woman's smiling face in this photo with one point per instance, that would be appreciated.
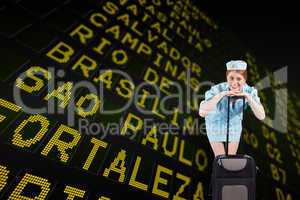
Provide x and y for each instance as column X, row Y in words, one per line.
column 235, row 80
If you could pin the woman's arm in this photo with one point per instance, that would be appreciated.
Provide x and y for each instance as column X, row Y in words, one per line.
column 207, row 106
column 256, row 107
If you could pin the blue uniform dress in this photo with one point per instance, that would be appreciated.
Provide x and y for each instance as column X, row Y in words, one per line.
column 216, row 120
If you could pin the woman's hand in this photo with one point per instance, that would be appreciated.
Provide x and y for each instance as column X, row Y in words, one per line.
column 207, row 106
column 231, row 93
column 257, row 108
column 243, row 94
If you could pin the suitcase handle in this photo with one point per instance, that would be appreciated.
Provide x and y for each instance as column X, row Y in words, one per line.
column 232, row 156
column 228, row 113
column 236, row 164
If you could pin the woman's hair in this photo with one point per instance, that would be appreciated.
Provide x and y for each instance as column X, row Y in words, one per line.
column 242, row 72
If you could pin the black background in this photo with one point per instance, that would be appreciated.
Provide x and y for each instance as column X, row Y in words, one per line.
column 271, row 30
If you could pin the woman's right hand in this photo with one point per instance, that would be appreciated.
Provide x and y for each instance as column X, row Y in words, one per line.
column 209, row 105
column 229, row 93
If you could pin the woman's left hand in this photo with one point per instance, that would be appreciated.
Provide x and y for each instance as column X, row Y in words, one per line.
column 243, row 94
column 257, row 108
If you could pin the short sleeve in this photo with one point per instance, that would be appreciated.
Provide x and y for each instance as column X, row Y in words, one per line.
column 254, row 95
column 214, row 90
column 209, row 94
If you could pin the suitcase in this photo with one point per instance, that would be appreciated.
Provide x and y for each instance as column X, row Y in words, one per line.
column 233, row 176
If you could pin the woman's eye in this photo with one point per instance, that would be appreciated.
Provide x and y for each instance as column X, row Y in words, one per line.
column 238, row 79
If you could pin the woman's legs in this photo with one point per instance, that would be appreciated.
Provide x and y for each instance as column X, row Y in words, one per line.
column 233, row 147
column 218, row 148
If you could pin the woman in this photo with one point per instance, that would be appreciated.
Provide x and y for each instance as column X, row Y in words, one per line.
column 214, row 108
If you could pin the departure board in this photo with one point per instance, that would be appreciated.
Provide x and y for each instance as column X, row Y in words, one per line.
column 99, row 100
